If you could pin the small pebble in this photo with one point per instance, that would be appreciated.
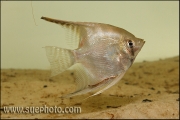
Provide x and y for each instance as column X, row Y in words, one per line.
column 147, row 100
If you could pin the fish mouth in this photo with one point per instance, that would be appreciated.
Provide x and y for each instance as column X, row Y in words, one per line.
column 141, row 44
column 137, row 49
column 144, row 42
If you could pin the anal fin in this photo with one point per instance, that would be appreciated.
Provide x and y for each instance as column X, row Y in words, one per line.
column 84, row 78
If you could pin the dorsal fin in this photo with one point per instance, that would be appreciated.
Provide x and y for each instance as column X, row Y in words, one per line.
column 63, row 22
column 75, row 32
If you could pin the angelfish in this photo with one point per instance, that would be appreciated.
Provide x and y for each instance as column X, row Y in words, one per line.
column 104, row 53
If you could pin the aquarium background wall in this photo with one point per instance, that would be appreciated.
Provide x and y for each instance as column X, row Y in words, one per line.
column 24, row 34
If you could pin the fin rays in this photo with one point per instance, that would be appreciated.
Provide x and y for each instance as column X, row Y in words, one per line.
column 73, row 32
column 60, row 59
column 83, row 80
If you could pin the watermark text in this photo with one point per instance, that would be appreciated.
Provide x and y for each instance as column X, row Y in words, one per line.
column 43, row 109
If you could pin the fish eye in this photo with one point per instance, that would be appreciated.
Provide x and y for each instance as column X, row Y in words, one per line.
column 130, row 43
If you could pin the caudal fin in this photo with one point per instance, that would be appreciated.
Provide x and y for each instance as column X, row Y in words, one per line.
column 60, row 59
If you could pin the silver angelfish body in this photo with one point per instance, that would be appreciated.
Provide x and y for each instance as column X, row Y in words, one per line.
column 104, row 54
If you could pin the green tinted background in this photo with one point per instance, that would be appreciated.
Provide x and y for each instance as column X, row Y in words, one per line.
column 22, row 41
